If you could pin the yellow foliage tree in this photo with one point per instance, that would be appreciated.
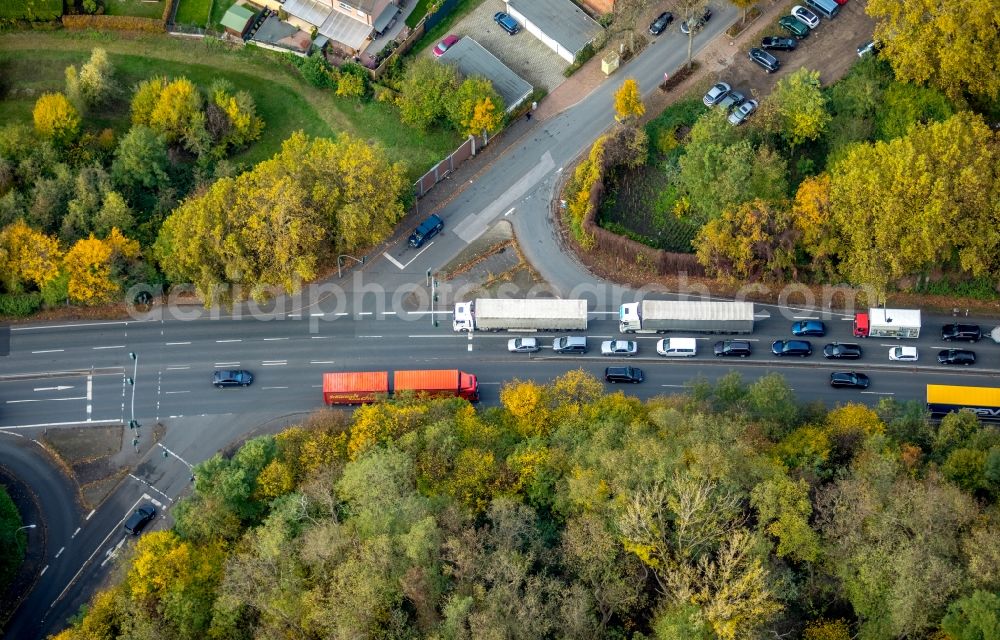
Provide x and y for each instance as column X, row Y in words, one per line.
column 628, row 101
column 175, row 109
column 90, row 263
column 749, row 242
column 812, row 216
column 853, row 418
column 824, row 629
column 485, row 117
column 56, row 119
column 375, row 424
column 528, row 403
column 27, row 255
column 474, row 478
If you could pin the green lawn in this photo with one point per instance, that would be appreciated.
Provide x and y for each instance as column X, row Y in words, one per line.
column 34, row 62
column 194, row 12
column 138, row 8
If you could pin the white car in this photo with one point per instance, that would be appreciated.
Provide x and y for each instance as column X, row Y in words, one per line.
column 810, row 19
column 903, row 354
column 625, row 348
column 677, row 347
column 522, row 345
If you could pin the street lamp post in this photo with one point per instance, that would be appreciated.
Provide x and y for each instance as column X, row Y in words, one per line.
column 27, row 526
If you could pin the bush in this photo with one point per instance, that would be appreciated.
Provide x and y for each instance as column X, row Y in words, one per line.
column 20, row 304
column 581, row 59
column 11, row 556
column 316, row 70
column 32, row 10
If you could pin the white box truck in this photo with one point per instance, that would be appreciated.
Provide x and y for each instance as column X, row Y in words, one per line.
column 535, row 314
column 659, row 316
column 887, row 323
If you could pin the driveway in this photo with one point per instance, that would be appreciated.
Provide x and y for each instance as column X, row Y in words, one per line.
column 522, row 52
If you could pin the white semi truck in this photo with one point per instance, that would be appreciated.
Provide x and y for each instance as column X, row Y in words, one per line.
column 659, row 316
column 536, row 314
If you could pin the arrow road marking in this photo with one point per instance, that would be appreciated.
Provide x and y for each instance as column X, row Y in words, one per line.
column 61, row 387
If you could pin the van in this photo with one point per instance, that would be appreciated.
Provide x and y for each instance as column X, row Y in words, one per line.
column 623, row 374
column 677, row 347
column 570, row 344
column 826, row 8
column 425, row 231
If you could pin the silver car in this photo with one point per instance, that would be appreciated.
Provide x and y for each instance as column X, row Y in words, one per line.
column 742, row 112
column 626, row 348
column 716, row 94
column 522, row 345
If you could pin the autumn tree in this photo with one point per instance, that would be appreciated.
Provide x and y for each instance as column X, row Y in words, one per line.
column 93, row 266
column 796, row 109
column 905, row 205
column 241, row 125
column 751, row 241
column 812, row 218
column 425, row 91
column 628, row 101
column 476, row 107
column 27, row 256
column 145, row 96
column 56, row 119
column 94, row 83
column 950, row 45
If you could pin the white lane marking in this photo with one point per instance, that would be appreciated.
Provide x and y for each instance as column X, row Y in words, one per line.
column 173, row 343
column 115, row 346
column 274, row 364
column 90, row 396
column 44, row 569
column 59, row 553
column 389, row 313
column 75, row 532
column 603, row 313
column 82, row 324
column 49, row 351
column 61, row 387
column 369, row 336
column 364, row 313
column 393, row 260
column 89, row 515
column 509, row 211
column 170, row 392
column 341, row 314
column 317, row 315
column 675, row 386
column 154, row 489
column 189, row 466
column 74, row 423
column 179, row 367
column 47, row 400
column 275, row 387
column 273, row 339
column 227, row 364
column 805, row 318
column 321, row 362
column 880, row 393
column 231, row 340
column 320, row 337
column 470, row 347
column 490, row 383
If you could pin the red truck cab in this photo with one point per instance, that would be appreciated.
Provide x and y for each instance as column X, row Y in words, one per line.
column 861, row 325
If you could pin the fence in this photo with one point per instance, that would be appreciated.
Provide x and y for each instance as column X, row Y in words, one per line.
column 443, row 169
column 434, row 19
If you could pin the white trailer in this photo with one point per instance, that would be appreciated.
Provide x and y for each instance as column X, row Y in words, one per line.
column 887, row 323
column 701, row 316
column 536, row 314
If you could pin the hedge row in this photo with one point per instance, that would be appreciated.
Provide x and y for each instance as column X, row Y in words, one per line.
column 20, row 304
column 33, row 10
column 115, row 23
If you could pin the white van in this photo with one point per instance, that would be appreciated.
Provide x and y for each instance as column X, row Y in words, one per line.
column 677, row 347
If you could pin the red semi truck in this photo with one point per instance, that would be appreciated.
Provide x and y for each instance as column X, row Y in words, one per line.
column 360, row 387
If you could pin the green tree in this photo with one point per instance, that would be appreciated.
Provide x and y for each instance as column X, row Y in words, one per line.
column 796, row 109
column 953, row 46
column 140, row 162
column 56, row 119
column 784, row 510
column 475, row 107
column 95, row 83
column 425, row 91
column 974, row 617
column 113, row 214
column 14, row 541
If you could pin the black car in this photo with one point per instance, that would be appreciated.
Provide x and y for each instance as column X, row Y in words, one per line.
column 838, row 351
column 849, row 379
column 139, row 519
column 506, row 23
column 662, row 22
column 809, row 328
column 734, row 348
column 968, row 332
column 425, row 231
column 232, row 378
column 801, row 348
column 764, row 59
column 775, row 43
column 957, row 356
column 623, row 374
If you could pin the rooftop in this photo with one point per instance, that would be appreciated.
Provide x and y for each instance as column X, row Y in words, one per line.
column 472, row 59
column 560, row 20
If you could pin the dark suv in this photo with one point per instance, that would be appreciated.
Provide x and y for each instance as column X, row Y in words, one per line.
column 842, row 351
column 801, row 348
column 764, row 59
column 776, row 43
column 849, row 379
column 957, row 356
column 232, row 378
column 968, row 332
column 623, row 374
column 735, row 348
column 426, row 230
column 139, row 519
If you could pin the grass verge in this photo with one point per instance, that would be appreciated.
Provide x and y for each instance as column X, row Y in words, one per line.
column 194, row 12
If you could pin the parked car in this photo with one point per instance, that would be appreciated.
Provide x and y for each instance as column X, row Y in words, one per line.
column 627, row 348
column 808, row 328
column 849, row 379
column 716, row 94
column 841, row 2
column 842, row 351
column 232, row 378
column 957, row 356
column 869, row 48
column 445, row 44
column 776, row 43
column 742, row 112
column 732, row 348
column 677, row 347
column 139, row 518
column 570, row 344
column 506, row 23
column 623, row 374
column 794, row 26
column 425, row 231
column 733, row 99
column 903, row 354
column 967, row 332
column 522, row 345
column 696, row 23
column 805, row 16
column 662, row 21
column 764, row 59
column 801, row 348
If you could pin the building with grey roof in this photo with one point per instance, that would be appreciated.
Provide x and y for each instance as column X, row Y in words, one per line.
column 472, row 59
column 560, row 24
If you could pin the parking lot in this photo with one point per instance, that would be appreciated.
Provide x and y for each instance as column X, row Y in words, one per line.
column 522, row 52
